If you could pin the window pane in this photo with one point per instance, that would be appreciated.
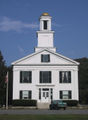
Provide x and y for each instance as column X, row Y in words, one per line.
column 65, row 77
column 65, row 97
column 45, row 58
column 25, row 94
column 65, row 94
column 25, row 76
column 45, row 77
column 47, row 94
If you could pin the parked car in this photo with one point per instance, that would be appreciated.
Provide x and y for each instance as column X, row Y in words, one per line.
column 57, row 104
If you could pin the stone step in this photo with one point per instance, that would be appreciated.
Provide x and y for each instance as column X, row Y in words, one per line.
column 42, row 105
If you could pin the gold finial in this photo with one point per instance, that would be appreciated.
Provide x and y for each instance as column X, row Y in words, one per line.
column 45, row 14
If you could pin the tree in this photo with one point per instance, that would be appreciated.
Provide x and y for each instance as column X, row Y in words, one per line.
column 83, row 80
column 3, row 70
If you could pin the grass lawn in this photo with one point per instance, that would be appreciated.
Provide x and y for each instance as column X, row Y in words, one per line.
column 43, row 117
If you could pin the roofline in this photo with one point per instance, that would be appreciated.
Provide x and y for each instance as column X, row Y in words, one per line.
column 13, row 63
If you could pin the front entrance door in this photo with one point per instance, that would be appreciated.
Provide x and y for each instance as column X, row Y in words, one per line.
column 45, row 95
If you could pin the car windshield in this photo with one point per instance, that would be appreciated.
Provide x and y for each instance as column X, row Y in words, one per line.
column 59, row 101
column 54, row 101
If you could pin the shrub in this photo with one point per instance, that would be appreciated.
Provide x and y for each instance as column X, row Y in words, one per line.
column 24, row 102
column 71, row 102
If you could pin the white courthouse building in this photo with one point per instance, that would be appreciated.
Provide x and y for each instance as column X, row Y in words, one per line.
column 45, row 75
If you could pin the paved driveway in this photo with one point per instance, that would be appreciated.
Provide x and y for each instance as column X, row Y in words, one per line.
column 27, row 111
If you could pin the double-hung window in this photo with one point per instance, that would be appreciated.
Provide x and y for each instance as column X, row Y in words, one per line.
column 25, row 94
column 45, row 76
column 65, row 76
column 25, row 76
column 65, row 94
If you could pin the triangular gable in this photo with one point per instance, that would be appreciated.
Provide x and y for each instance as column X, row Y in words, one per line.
column 35, row 58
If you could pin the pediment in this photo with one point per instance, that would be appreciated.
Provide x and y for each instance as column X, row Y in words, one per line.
column 35, row 59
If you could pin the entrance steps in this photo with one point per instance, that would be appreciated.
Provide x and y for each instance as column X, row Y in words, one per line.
column 43, row 105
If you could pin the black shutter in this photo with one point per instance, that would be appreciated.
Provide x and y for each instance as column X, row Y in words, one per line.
column 41, row 58
column 61, row 95
column 69, row 77
column 49, row 76
column 40, row 77
column 69, row 93
column 20, row 76
column 60, row 76
column 48, row 58
column 21, row 95
column 30, row 77
column 30, row 94
column 39, row 93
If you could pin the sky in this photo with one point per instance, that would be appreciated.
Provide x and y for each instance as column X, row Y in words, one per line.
column 19, row 21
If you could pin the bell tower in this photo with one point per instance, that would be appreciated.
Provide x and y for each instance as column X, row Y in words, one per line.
column 45, row 35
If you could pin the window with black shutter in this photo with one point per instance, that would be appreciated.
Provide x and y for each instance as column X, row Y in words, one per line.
column 25, row 94
column 65, row 94
column 25, row 76
column 45, row 76
column 65, row 76
column 45, row 58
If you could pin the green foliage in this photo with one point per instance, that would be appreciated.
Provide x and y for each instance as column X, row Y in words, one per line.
column 10, row 84
column 44, row 117
column 3, row 70
column 24, row 103
column 71, row 102
column 83, row 80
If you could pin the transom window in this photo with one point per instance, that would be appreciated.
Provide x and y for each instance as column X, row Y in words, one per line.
column 45, row 76
column 65, row 76
column 45, row 58
column 25, row 76
column 25, row 94
column 65, row 94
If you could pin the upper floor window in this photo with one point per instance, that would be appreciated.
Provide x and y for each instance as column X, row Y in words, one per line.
column 65, row 94
column 45, row 24
column 25, row 94
column 65, row 76
column 45, row 76
column 45, row 58
column 25, row 76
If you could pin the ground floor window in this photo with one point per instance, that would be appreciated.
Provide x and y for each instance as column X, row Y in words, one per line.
column 65, row 94
column 25, row 94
